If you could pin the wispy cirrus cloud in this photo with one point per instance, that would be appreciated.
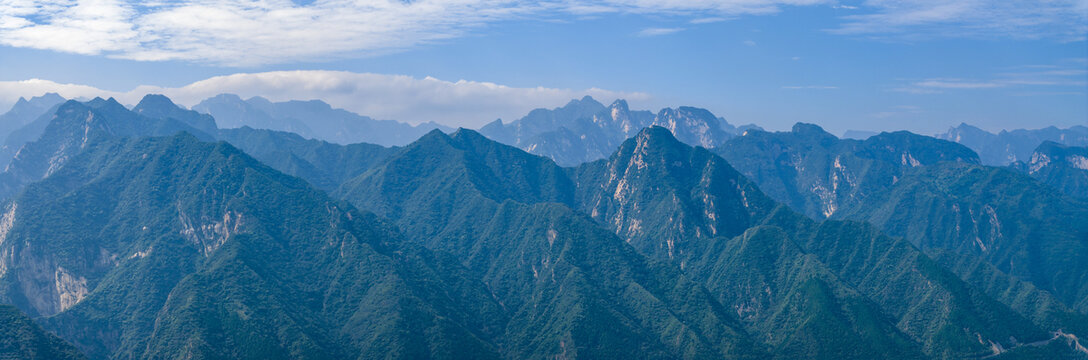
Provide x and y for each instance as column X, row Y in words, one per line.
column 810, row 87
column 707, row 20
column 259, row 32
column 1051, row 78
column 958, row 84
column 405, row 98
column 659, row 31
column 1066, row 20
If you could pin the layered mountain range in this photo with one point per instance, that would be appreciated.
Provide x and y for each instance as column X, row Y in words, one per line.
column 25, row 122
column 1007, row 147
column 1062, row 167
column 312, row 119
column 153, row 233
column 586, row 130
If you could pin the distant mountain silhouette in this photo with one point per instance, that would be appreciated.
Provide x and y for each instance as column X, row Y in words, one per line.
column 1007, row 147
column 312, row 119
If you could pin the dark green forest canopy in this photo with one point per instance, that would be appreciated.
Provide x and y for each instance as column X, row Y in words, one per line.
column 142, row 228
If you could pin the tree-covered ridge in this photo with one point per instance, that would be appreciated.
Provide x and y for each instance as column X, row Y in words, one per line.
column 888, row 293
column 171, row 247
column 322, row 164
column 177, row 247
column 1062, row 167
column 1023, row 228
column 573, row 289
column 818, row 174
column 22, row 338
column 687, row 206
column 75, row 126
column 958, row 212
column 25, row 122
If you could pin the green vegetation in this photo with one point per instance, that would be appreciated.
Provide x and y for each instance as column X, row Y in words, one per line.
column 818, row 174
column 21, row 338
column 572, row 288
column 1064, row 168
column 685, row 205
column 971, row 213
column 175, row 247
column 130, row 246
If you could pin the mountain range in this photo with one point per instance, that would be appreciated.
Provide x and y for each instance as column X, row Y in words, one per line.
column 312, row 119
column 1007, row 147
column 25, row 122
column 1062, row 167
column 586, row 130
column 154, row 233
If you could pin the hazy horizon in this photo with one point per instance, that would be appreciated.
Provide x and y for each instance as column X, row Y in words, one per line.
column 867, row 65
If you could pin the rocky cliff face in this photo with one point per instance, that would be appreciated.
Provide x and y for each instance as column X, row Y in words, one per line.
column 1065, row 168
column 585, row 130
column 818, row 174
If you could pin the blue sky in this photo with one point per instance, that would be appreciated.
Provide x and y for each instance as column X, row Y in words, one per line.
column 919, row 65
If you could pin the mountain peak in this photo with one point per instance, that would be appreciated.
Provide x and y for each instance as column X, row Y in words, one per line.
column 159, row 106
column 808, row 128
column 585, row 101
column 969, row 128
column 154, row 101
column 432, row 138
column 436, row 133
column 49, row 97
column 1048, row 145
column 619, row 104
column 465, row 134
column 1057, row 150
column 26, row 110
column 71, row 105
column 225, row 96
column 311, row 104
column 44, row 101
column 260, row 102
column 697, row 111
column 110, row 104
column 656, row 135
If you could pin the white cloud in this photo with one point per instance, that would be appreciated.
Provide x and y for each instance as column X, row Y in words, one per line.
column 659, row 31
column 244, row 32
column 958, row 84
column 748, row 43
column 258, row 32
column 405, row 98
column 10, row 91
column 1054, row 76
column 720, row 7
column 1066, row 20
column 810, row 87
column 708, row 20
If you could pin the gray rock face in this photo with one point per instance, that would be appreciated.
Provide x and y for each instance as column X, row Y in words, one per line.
column 586, row 130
